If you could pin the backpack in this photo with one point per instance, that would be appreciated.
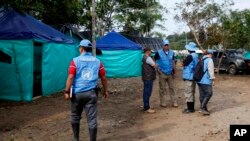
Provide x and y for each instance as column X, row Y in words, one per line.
column 199, row 71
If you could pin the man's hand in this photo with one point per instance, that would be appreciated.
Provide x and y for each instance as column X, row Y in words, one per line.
column 105, row 94
column 66, row 96
column 174, row 73
column 174, row 76
column 213, row 82
column 156, row 66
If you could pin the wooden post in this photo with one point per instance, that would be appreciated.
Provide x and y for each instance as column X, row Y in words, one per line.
column 93, row 27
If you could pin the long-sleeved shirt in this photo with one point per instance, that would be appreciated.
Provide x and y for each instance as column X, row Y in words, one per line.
column 211, row 69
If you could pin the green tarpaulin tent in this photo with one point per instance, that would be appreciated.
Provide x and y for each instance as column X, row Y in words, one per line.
column 34, row 57
column 120, row 56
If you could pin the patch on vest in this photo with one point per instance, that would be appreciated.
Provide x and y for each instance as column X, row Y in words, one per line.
column 87, row 74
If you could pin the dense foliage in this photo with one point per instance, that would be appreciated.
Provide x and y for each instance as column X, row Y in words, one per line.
column 129, row 15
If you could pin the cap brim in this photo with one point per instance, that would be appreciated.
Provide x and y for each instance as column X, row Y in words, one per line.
column 199, row 51
column 85, row 46
column 89, row 45
column 191, row 49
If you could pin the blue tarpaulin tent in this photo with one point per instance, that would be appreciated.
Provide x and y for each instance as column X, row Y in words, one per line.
column 120, row 56
column 36, row 57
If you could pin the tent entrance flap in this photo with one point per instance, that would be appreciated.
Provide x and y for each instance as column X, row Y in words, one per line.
column 5, row 58
column 37, row 71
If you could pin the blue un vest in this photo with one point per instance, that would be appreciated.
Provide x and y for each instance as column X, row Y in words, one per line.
column 188, row 71
column 87, row 70
column 165, row 62
column 206, row 78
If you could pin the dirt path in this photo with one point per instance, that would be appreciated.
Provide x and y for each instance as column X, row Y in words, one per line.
column 121, row 117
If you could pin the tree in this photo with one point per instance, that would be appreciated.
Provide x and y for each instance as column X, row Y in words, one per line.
column 214, row 35
column 105, row 11
column 130, row 15
column 178, row 41
column 200, row 14
column 59, row 12
column 139, row 15
column 52, row 12
column 236, row 27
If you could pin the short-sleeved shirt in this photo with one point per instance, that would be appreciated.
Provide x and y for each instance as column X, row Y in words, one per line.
column 72, row 69
column 150, row 61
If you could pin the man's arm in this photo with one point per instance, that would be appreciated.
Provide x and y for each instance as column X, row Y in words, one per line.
column 156, row 57
column 187, row 60
column 151, row 62
column 69, row 82
column 70, row 79
column 211, row 69
column 174, row 66
column 102, row 75
column 105, row 86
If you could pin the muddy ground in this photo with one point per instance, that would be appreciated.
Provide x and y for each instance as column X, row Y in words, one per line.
column 121, row 117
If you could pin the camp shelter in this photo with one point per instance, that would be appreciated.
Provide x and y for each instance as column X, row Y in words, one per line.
column 34, row 57
column 73, row 32
column 154, row 43
column 120, row 56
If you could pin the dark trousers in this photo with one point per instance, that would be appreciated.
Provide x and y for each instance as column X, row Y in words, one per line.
column 206, row 92
column 88, row 102
column 147, row 91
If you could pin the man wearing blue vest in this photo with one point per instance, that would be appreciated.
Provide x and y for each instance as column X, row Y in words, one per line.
column 206, row 83
column 189, row 64
column 166, row 72
column 82, row 81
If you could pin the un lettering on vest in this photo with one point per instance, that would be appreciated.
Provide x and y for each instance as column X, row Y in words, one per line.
column 88, row 59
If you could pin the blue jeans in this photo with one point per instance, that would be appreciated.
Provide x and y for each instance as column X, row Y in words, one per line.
column 147, row 90
column 206, row 92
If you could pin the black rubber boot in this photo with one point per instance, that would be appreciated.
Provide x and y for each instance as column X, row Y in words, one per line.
column 190, row 108
column 76, row 128
column 204, row 110
column 92, row 134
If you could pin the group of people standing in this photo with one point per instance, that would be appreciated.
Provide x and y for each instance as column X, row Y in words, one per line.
column 85, row 70
column 163, row 63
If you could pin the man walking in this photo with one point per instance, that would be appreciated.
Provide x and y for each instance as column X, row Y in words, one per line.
column 189, row 64
column 166, row 71
column 148, row 76
column 83, row 78
column 205, row 84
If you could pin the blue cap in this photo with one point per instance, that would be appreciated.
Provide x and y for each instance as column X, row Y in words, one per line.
column 85, row 43
column 191, row 46
column 165, row 42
